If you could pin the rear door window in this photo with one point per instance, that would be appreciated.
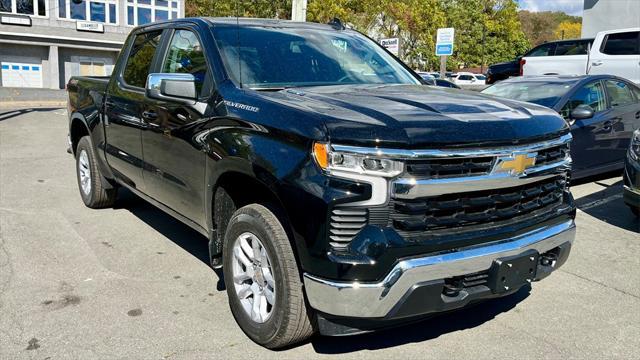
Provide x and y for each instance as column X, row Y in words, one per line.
column 571, row 48
column 626, row 43
column 619, row 93
column 140, row 57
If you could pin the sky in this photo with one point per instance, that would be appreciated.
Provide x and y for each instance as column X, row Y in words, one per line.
column 571, row 7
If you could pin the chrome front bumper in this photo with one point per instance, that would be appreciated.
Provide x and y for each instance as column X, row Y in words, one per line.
column 376, row 300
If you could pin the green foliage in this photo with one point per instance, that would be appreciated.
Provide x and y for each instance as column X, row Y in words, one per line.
column 494, row 23
column 280, row 9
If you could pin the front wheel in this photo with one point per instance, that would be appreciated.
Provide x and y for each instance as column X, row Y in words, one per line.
column 263, row 281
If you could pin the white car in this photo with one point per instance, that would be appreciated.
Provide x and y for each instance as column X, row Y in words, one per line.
column 467, row 78
column 612, row 52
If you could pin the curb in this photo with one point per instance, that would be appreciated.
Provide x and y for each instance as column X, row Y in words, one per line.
column 32, row 104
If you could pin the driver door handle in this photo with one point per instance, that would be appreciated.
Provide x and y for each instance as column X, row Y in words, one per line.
column 150, row 115
column 597, row 63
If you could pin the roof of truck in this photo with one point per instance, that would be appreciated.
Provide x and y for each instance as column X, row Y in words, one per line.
column 233, row 21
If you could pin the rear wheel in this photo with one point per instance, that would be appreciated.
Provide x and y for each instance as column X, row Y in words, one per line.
column 262, row 279
column 92, row 190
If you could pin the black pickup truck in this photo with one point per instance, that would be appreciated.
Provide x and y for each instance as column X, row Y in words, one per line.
column 339, row 193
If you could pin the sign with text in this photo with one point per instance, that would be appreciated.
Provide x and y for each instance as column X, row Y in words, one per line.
column 444, row 41
column 89, row 26
column 391, row 44
column 15, row 20
column 444, row 49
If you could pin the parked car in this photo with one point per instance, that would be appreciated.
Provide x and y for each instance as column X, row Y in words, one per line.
column 467, row 78
column 613, row 52
column 603, row 112
column 631, row 175
column 339, row 194
column 446, row 83
column 427, row 78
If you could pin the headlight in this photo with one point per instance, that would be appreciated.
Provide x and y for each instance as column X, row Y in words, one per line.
column 634, row 147
column 331, row 160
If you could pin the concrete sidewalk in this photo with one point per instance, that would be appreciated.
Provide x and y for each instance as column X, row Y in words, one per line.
column 18, row 98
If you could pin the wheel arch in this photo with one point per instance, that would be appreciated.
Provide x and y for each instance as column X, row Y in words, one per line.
column 245, row 185
column 77, row 129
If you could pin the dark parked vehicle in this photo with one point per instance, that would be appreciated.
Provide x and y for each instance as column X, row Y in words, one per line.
column 446, row 83
column 603, row 112
column 505, row 70
column 429, row 79
column 502, row 71
column 631, row 175
column 339, row 193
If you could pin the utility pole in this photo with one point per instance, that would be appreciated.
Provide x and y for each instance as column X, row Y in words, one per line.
column 299, row 10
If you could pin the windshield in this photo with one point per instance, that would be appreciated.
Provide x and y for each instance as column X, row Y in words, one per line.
column 273, row 58
column 541, row 93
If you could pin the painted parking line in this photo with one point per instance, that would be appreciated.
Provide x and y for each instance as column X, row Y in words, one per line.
column 599, row 202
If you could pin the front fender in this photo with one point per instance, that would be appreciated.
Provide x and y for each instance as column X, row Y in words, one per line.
column 281, row 164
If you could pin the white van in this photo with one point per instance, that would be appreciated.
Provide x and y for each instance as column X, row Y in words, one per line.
column 613, row 52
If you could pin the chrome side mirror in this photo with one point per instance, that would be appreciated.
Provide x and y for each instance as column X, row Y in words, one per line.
column 179, row 88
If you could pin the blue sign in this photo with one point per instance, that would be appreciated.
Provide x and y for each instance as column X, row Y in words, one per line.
column 444, row 49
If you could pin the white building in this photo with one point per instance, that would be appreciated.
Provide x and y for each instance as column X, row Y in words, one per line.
column 45, row 42
column 601, row 15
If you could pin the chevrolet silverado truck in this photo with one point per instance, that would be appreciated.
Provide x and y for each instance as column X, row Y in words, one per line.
column 338, row 193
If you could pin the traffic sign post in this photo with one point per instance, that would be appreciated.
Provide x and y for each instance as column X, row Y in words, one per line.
column 444, row 47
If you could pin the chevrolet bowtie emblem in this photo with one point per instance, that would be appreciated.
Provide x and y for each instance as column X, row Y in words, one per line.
column 518, row 163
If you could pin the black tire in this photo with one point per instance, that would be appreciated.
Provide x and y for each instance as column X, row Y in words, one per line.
column 291, row 321
column 98, row 196
column 635, row 210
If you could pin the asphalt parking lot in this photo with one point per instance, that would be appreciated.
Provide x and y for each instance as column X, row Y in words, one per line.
column 131, row 282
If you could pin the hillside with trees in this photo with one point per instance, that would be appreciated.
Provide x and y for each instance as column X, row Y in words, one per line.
column 545, row 26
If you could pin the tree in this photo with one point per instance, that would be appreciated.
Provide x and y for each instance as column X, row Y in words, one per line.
column 487, row 31
column 280, row 9
column 568, row 30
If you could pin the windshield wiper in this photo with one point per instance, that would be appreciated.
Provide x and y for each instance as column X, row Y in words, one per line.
column 277, row 88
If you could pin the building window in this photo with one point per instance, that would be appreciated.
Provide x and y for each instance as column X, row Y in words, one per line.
column 62, row 9
column 140, row 12
column 24, row 7
column 103, row 11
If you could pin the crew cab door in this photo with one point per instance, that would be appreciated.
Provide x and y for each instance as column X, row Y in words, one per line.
column 175, row 164
column 618, row 54
column 124, row 108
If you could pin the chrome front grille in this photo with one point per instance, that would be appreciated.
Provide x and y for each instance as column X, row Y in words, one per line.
column 449, row 167
column 345, row 223
column 444, row 192
column 552, row 155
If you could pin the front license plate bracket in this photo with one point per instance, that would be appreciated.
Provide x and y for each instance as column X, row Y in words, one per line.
column 512, row 272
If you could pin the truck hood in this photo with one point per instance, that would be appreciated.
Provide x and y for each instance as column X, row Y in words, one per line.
column 417, row 116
